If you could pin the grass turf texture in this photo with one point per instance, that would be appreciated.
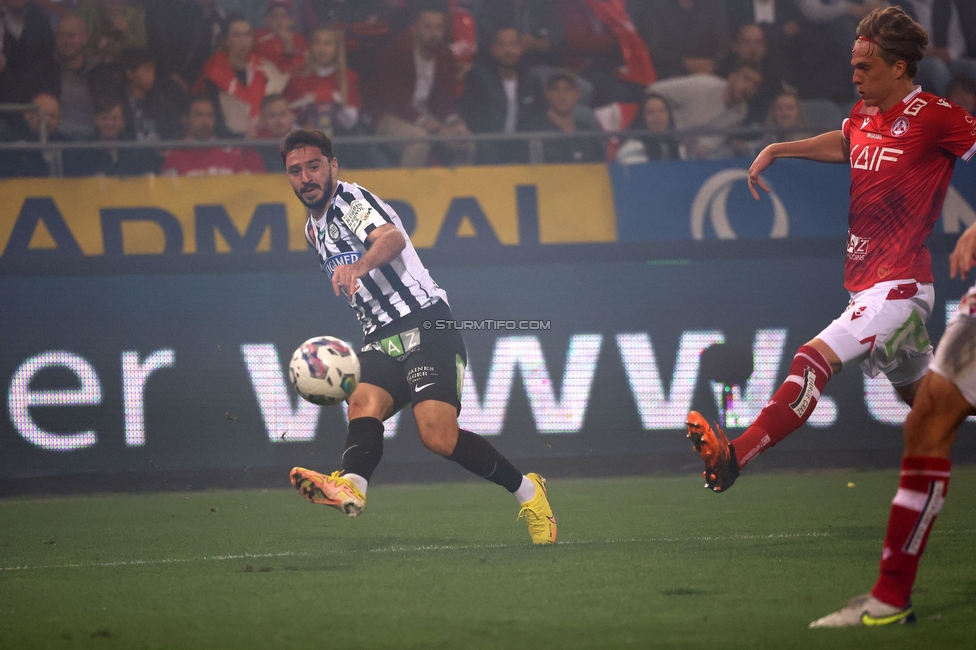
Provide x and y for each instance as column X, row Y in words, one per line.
column 649, row 561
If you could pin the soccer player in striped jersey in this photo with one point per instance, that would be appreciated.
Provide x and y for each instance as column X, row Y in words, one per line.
column 946, row 397
column 901, row 144
column 366, row 252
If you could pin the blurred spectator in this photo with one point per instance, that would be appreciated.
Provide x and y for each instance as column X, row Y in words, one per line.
column 234, row 79
column 109, row 127
column 829, row 29
column 562, row 96
column 683, row 36
column 604, row 48
column 278, row 42
column 74, row 76
column 781, row 23
column 277, row 121
column 659, row 144
column 787, row 115
column 32, row 163
column 703, row 100
column 367, row 24
column 949, row 43
column 749, row 48
column 183, row 35
column 25, row 37
column 962, row 91
column 413, row 90
column 325, row 93
column 113, row 25
column 199, row 124
column 153, row 107
column 499, row 94
column 537, row 22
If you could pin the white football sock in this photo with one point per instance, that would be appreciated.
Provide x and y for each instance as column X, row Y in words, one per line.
column 526, row 491
column 358, row 481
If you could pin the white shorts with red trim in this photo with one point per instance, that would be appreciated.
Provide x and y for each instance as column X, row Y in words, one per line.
column 955, row 358
column 883, row 330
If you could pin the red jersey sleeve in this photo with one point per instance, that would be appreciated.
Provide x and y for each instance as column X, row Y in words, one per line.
column 954, row 129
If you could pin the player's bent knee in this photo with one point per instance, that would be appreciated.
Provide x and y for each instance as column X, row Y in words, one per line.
column 369, row 401
column 936, row 414
column 440, row 440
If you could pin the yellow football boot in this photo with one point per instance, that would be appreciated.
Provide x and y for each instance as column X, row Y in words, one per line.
column 538, row 513
column 329, row 489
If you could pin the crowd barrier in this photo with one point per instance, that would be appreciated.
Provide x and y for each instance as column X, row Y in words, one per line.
column 146, row 323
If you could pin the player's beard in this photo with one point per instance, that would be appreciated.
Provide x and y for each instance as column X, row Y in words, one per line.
column 321, row 204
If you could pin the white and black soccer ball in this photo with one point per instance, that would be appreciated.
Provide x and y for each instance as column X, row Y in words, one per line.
column 324, row 370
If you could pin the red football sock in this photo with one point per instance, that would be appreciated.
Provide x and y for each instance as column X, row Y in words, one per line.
column 789, row 407
column 921, row 492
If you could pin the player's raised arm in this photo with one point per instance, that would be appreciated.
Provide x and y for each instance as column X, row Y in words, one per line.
column 963, row 256
column 385, row 243
column 830, row 147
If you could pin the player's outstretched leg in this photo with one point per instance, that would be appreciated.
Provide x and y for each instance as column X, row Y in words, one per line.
column 867, row 610
column 478, row 456
column 329, row 489
column 721, row 466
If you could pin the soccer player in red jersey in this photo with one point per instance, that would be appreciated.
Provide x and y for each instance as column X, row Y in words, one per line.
column 901, row 144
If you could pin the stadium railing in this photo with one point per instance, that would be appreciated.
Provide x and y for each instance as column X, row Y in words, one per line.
column 53, row 149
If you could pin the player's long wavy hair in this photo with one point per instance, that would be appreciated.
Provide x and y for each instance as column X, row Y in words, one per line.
column 898, row 37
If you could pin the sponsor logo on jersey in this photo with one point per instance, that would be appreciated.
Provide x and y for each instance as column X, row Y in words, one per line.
column 336, row 261
column 915, row 106
column 874, row 136
column 333, row 231
column 865, row 122
column 857, row 247
column 943, row 102
column 357, row 213
column 900, row 127
column 869, row 157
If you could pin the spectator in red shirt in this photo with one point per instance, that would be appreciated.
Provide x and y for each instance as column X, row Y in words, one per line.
column 234, row 79
column 278, row 42
column 325, row 93
column 199, row 122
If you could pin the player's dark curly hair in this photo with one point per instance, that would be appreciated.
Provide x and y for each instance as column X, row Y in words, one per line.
column 898, row 36
column 306, row 138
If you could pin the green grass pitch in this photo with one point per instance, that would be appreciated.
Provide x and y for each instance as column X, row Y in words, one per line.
column 642, row 562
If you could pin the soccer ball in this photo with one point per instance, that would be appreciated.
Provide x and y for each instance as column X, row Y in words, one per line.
column 324, row 370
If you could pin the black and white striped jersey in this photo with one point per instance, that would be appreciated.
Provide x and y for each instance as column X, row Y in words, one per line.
column 389, row 292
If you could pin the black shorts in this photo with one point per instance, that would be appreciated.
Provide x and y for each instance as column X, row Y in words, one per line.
column 414, row 364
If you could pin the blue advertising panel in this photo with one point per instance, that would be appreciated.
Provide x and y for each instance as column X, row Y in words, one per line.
column 711, row 200
column 581, row 357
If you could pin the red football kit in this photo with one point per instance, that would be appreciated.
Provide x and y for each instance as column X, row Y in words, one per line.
column 901, row 164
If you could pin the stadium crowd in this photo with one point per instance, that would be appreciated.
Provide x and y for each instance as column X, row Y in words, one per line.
column 154, row 71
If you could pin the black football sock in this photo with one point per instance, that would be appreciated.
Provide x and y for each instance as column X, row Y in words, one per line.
column 364, row 447
column 476, row 455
